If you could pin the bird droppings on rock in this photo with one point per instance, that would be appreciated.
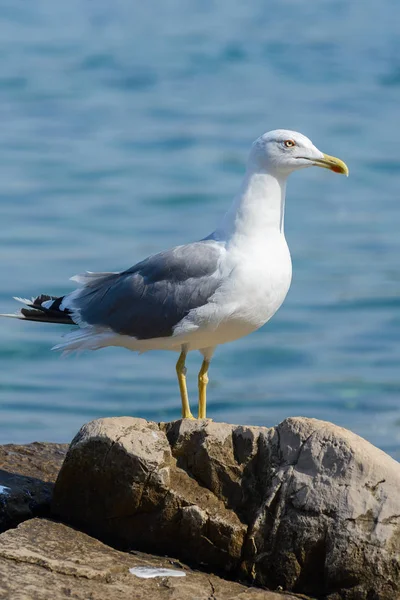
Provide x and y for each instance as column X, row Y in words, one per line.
column 151, row 572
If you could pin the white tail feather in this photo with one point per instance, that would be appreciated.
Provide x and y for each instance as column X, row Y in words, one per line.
column 23, row 300
column 88, row 338
column 84, row 278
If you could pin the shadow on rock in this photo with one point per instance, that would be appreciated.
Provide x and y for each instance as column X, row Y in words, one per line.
column 27, row 475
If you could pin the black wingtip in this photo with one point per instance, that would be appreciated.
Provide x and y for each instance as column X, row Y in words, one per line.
column 35, row 311
column 46, row 316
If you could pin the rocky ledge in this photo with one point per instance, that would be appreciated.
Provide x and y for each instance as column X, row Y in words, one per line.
column 305, row 507
column 44, row 560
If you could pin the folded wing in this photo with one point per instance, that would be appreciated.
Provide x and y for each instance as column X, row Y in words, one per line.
column 150, row 299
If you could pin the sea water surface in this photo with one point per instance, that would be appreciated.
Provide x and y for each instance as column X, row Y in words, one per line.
column 124, row 130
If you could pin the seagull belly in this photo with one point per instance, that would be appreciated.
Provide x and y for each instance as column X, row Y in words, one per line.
column 246, row 300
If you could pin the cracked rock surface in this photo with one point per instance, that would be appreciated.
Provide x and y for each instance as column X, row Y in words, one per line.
column 43, row 560
column 306, row 506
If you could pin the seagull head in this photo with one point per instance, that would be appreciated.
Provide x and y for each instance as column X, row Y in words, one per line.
column 281, row 151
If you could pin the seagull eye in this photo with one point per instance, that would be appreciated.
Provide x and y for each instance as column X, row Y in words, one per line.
column 289, row 143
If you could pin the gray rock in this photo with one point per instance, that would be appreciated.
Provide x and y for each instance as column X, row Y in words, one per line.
column 27, row 475
column 306, row 507
column 43, row 560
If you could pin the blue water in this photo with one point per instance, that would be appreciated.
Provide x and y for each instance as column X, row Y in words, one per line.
column 124, row 130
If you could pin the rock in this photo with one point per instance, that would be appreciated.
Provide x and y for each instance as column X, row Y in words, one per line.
column 131, row 494
column 44, row 560
column 27, row 475
column 306, row 507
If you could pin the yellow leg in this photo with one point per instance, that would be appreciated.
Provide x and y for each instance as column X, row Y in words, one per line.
column 181, row 372
column 203, row 380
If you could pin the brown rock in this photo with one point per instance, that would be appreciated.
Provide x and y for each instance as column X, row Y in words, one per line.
column 27, row 475
column 133, row 495
column 43, row 560
column 41, row 460
column 223, row 459
column 306, row 506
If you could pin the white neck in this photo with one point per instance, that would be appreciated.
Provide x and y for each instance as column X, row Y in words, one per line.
column 257, row 210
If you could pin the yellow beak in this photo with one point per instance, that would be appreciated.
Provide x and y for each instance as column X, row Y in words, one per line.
column 334, row 164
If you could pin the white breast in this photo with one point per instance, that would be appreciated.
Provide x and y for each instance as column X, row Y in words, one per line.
column 260, row 280
column 255, row 283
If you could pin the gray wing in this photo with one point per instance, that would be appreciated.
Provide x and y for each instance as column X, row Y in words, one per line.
column 149, row 299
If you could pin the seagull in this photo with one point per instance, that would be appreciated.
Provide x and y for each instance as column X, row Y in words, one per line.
column 198, row 295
